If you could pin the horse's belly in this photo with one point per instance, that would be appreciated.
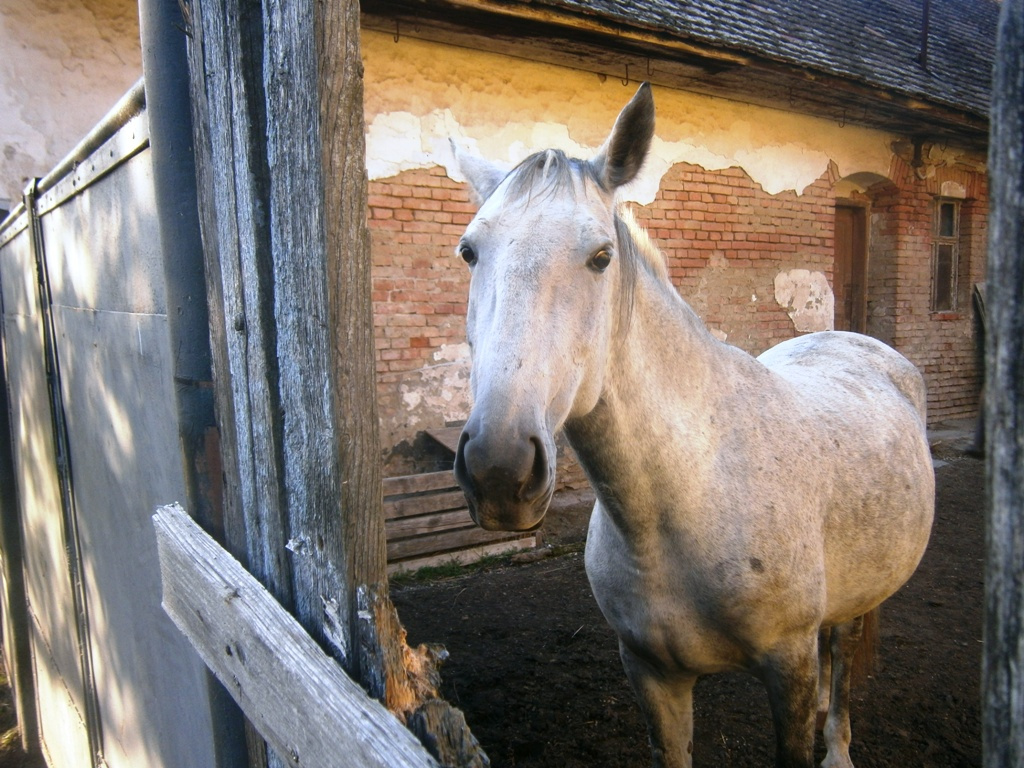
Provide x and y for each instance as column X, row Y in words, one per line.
column 869, row 560
column 879, row 520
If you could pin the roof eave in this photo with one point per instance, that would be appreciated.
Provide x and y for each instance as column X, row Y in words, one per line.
column 632, row 52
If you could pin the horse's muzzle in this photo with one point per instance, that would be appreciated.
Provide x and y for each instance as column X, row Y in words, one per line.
column 508, row 482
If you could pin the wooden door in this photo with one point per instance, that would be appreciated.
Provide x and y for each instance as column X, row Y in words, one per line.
column 850, row 270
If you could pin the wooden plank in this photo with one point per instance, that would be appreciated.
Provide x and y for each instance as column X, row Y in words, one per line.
column 232, row 179
column 437, row 543
column 318, row 460
column 448, row 437
column 463, row 556
column 430, row 481
column 278, row 105
column 424, row 524
column 418, row 505
column 299, row 700
column 1003, row 661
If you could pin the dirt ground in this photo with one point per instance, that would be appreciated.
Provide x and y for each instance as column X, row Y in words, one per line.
column 536, row 669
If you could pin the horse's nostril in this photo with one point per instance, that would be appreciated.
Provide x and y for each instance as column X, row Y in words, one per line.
column 462, row 474
column 535, row 484
column 493, row 466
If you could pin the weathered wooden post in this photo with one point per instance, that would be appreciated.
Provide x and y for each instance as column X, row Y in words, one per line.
column 277, row 101
column 1003, row 667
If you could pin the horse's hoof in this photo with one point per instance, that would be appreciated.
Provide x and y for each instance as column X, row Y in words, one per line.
column 837, row 761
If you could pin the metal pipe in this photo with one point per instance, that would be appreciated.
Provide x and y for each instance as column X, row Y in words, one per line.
column 130, row 105
column 18, row 650
column 168, row 105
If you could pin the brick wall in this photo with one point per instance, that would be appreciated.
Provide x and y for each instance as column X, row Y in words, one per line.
column 944, row 345
column 725, row 239
column 883, row 246
column 419, row 304
column 419, row 287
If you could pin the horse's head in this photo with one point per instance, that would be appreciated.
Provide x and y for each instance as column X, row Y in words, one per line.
column 546, row 281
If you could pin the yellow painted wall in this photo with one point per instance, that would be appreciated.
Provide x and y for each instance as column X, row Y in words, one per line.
column 63, row 65
column 418, row 94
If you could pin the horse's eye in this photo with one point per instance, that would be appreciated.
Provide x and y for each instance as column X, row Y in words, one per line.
column 468, row 254
column 599, row 261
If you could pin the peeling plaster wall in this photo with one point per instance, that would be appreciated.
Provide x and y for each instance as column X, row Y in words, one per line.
column 419, row 94
column 807, row 298
column 64, row 63
column 438, row 390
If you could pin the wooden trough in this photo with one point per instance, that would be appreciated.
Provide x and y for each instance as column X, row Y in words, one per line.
column 427, row 522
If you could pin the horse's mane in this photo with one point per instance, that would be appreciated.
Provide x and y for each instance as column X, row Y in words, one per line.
column 634, row 237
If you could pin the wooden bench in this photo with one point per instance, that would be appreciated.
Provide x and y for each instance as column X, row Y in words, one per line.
column 427, row 522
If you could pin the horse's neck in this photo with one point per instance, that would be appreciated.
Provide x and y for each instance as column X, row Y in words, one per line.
column 655, row 422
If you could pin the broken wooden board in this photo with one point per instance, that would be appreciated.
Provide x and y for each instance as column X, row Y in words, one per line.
column 298, row 698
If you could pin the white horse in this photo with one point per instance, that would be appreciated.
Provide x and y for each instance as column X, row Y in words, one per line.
column 744, row 506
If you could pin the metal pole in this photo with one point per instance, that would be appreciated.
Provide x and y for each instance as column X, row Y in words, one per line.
column 166, row 75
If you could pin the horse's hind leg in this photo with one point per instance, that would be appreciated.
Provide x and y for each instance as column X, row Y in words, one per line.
column 824, row 675
column 844, row 641
column 791, row 676
column 667, row 704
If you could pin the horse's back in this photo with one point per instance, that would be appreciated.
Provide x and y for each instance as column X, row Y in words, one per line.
column 847, row 365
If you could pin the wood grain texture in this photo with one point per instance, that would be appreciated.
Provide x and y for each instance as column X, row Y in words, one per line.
column 347, row 268
column 278, row 101
column 429, row 522
column 298, row 698
column 417, row 505
column 1003, row 663
column 227, row 97
column 449, row 542
column 429, row 481
column 311, row 475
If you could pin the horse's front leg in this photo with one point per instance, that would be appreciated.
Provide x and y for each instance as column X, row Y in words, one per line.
column 667, row 704
column 790, row 673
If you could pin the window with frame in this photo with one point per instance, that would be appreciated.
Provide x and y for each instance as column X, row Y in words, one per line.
column 945, row 255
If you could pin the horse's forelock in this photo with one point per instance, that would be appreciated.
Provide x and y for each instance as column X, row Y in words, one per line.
column 551, row 172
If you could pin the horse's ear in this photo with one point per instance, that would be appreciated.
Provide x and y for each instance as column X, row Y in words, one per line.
column 618, row 162
column 483, row 175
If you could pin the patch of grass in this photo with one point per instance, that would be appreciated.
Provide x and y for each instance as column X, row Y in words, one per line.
column 568, row 549
column 10, row 741
column 449, row 570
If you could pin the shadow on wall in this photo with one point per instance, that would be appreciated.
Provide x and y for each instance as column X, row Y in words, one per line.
column 111, row 336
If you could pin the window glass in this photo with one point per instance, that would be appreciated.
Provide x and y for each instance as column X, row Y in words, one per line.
column 945, row 255
column 947, row 219
column 944, row 277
